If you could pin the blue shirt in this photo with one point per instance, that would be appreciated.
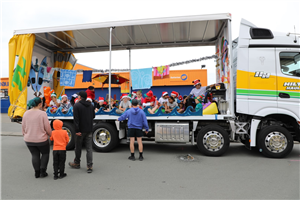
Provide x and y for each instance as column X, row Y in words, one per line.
column 136, row 118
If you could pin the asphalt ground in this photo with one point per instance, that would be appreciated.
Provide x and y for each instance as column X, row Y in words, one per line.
column 239, row 174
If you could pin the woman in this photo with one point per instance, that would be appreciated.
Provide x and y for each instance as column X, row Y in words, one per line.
column 36, row 129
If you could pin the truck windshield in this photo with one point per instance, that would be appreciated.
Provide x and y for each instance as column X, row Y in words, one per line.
column 290, row 63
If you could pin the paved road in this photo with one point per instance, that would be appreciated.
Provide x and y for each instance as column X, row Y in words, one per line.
column 239, row 174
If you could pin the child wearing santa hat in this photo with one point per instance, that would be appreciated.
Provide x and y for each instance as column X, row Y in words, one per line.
column 125, row 103
column 100, row 104
column 65, row 104
column 175, row 95
column 150, row 100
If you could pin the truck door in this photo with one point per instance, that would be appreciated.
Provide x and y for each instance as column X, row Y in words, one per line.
column 262, row 80
column 288, row 79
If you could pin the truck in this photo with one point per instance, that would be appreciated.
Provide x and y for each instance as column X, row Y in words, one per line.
column 258, row 103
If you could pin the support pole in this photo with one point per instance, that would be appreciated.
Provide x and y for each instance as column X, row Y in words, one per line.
column 109, row 77
column 129, row 71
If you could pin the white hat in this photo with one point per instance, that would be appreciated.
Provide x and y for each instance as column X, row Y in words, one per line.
column 53, row 95
column 125, row 96
column 75, row 95
column 89, row 99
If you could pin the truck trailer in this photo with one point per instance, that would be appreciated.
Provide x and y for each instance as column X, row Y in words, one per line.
column 259, row 73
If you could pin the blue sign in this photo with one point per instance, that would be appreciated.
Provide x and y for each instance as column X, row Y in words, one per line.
column 183, row 77
column 4, row 84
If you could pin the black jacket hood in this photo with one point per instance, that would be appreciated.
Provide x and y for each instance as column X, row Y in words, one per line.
column 85, row 103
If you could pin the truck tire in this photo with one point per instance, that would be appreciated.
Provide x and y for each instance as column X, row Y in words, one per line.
column 105, row 137
column 275, row 142
column 69, row 127
column 213, row 140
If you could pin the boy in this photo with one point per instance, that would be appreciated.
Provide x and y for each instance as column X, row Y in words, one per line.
column 125, row 103
column 61, row 139
column 54, row 101
column 100, row 104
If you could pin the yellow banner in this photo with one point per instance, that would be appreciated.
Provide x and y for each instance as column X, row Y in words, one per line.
column 20, row 54
column 125, row 87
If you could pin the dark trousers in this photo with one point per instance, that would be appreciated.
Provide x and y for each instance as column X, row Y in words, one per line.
column 38, row 161
column 85, row 138
column 59, row 159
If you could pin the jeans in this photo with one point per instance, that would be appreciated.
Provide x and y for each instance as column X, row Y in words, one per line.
column 87, row 139
column 59, row 159
column 38, row 161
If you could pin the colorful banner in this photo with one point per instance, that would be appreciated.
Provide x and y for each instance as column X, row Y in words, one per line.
column 62, row 60
column 20, row 54
column 125, row 87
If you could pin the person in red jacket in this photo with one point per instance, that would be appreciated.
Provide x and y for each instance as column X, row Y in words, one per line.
column 61, row 139
column 91, row 93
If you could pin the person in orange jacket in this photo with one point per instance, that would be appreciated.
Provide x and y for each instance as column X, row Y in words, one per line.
column 61, row 139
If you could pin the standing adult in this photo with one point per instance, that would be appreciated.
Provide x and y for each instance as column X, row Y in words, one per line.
column 136, row 122
column 36, row 129
column 84, row 114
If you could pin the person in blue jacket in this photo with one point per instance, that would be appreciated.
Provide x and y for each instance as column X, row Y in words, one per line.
column 136, row 122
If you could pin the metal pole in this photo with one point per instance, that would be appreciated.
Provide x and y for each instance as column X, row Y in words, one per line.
column 109, row 77
column 232, row 93
column 129, row 71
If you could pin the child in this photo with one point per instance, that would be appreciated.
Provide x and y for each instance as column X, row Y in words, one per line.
column 171, row 104
column 54, row 101
column 139, row 98
column 91, row 94
column 61, row 139
column 112, row 104
column 181, row 108
column 100, row 104
column 65, row 104
column 125, row 103
column 150, row 101
column 175, row 95
column 198, row 101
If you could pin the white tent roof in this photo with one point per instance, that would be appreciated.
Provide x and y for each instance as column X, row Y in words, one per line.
column 196, row 30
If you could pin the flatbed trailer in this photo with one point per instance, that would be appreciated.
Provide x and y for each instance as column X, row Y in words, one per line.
column 255, row 108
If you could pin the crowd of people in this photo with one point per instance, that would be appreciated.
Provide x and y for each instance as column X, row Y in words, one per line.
column 167, row 102
column 36, row 128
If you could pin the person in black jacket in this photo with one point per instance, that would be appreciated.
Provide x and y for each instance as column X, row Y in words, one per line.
column 84, row 114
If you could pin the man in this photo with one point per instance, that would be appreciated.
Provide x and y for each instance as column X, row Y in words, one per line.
column 197, row 91
column 84, row 114
column 136, row 122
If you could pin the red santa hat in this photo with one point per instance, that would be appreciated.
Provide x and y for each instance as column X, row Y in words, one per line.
column 124, row 96
column 196, row 82
column 75, row 100
column 64, row 95
column 174, row 94
column 133, row 93
column 149, row 94
column 180, row 98
column 101, row 99
column 164, row 94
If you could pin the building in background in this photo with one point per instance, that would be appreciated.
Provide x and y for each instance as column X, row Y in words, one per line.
column 4, row 95
column 178, row 80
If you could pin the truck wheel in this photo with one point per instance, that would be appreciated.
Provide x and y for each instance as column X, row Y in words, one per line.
column 105, row 137
column 69, row 127
column 275, row 142
column 213, row 140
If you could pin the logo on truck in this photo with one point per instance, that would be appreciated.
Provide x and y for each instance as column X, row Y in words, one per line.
column 262, row 74
column 292, row 85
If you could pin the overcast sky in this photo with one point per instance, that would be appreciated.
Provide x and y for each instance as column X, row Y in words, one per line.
column 278, row 16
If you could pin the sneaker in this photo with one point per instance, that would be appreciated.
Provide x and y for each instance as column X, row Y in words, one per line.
column 131, row 158
column 62, row 176
column 43, row 173
column 55, row 177
column 89, row 170
column 141, row 158
column 74, row 165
